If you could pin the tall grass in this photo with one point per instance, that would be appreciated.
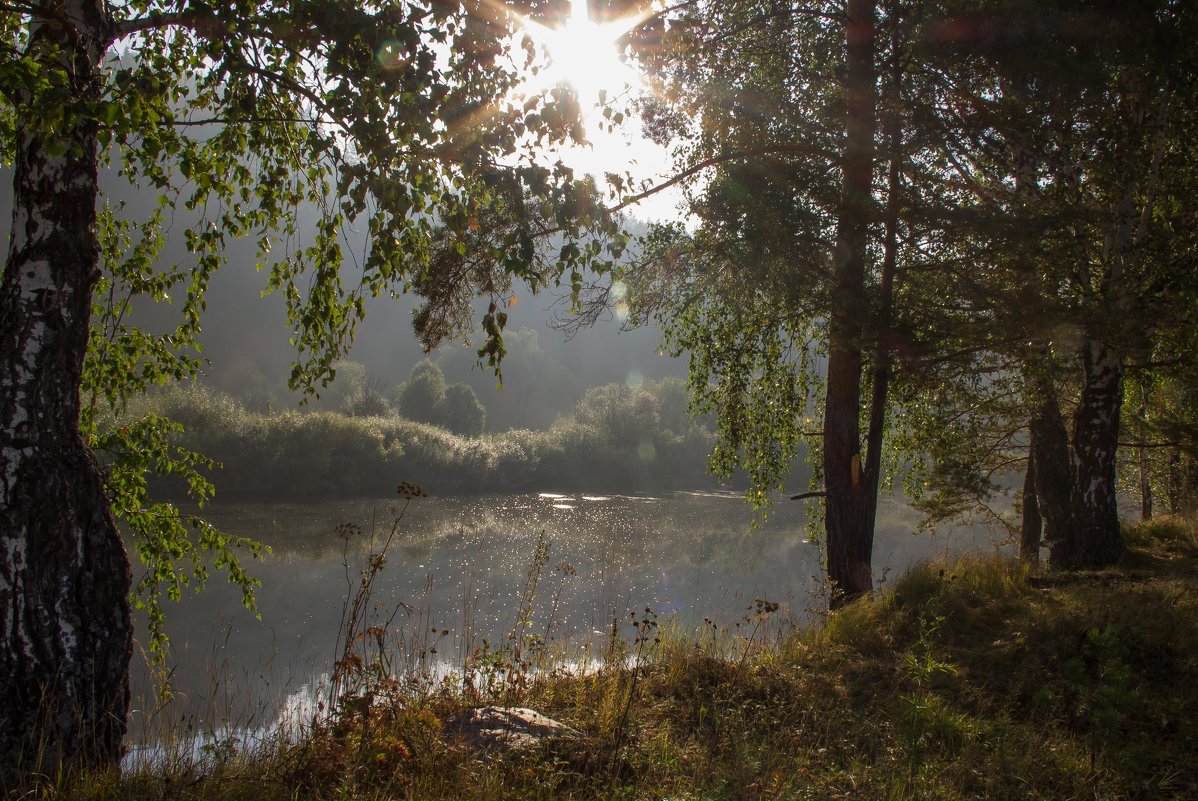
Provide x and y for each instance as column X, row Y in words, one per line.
column 964, row 680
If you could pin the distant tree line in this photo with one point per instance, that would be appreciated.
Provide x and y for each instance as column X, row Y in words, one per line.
column 618, row 439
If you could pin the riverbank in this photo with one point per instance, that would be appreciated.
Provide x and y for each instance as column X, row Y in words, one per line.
column 978, row 679
column 617, row 440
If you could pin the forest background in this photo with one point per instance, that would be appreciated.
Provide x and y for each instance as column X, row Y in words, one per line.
column 979, row 214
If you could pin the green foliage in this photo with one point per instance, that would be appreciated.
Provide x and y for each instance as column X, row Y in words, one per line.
column 463, row 412
column 957, row 438
column 290, row 127
column 1062, row 233
column 750, row 365
column 366, row 402
column 1028, row 197
column 350, row 379
column 355, row 393
column 617, row 438
column 616, row 443
column 922, row 665
column 1099, row 690
column 348, row 115
column 745, row 295
column 122, row 363
column 174, row 548
column 422, row 396
column 621, row 414
column 1161, row 433
column 1163, row 539
column 426, row 398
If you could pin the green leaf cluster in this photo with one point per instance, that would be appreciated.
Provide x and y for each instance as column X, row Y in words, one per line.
column 365, row 150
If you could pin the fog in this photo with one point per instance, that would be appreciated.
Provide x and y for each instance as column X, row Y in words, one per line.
column 246, row 348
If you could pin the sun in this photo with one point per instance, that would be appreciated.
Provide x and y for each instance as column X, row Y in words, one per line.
column 586, row 55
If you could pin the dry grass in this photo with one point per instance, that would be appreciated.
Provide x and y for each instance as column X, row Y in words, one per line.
column 977, row 679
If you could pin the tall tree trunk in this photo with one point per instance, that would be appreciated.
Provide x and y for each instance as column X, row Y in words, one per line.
column 849, row 519
column 1051, row 490
column 1174, row 481
column 1142, row 452
column 65, row 628
column 1033, row 523
column 1054, row 481
column 1187, row 503
column 1098, row 541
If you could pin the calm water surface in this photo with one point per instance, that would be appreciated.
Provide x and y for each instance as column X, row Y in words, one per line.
column 460, row 565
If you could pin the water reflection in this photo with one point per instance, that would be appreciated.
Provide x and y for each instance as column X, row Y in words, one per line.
column 459, row 564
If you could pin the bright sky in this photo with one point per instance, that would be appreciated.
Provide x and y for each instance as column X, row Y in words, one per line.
column 586, row 55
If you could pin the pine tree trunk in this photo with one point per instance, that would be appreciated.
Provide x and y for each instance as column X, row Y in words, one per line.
column 1098, row 540
column 1142, row 454
column 849, row 518
column 65, row 627
column 1033, row 524
column 1187, row 503
column 1053, row 477
column 1174, row 481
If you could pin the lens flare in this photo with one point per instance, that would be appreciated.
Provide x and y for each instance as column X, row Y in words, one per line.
column 586, row 55
column 392, row 55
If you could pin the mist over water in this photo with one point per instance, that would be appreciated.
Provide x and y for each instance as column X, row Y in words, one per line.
column 458, row 565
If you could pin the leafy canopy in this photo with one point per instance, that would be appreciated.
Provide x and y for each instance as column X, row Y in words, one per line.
column 366, row 149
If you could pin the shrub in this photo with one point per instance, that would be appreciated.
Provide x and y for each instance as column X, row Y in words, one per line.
column 422, row 396
column 366, row 402
column 462, row 411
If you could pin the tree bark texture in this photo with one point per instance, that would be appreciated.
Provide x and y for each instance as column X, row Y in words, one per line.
column 65, row 626
column 1098, row 540
column 1053, row 476
column 1032, row 524
column 1187, row 503
column 1174, row 481
column 1142, row 453
column 882, row 328
column 849, row 518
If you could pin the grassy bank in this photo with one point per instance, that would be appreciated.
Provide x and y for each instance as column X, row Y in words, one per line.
column 979, row 679
column 616, row 441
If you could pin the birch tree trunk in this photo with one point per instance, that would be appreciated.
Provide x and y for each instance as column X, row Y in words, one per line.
column 1098, row 542
column 65, row 628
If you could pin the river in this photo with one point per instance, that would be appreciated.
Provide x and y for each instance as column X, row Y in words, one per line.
column 460, row 565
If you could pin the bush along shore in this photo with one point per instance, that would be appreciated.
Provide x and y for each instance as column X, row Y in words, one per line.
column 617, row 440
column 979, row 679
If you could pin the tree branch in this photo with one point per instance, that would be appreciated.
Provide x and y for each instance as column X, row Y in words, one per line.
column 715, row 161
column 1149, row 444
column 788, row 12
column 156, row 20
column 24, row 8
